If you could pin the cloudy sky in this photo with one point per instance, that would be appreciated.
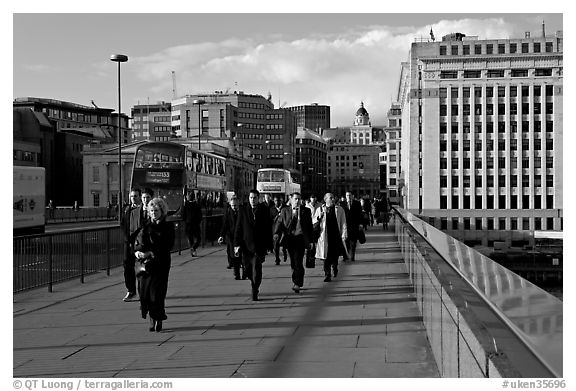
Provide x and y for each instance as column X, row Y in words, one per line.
column 332, row 59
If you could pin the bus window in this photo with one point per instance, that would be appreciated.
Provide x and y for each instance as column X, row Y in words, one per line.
column 277, row 176
column 264, row 176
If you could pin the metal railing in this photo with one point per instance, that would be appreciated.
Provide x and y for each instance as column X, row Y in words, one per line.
column 70, row 215
column 46, row 259
column 509, row 326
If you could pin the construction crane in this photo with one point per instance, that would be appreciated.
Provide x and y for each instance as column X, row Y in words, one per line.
column 173, row 84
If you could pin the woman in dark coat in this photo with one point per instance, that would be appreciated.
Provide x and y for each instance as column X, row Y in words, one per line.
column 153, row 246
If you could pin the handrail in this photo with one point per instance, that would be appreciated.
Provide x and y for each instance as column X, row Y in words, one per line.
column 521, row 305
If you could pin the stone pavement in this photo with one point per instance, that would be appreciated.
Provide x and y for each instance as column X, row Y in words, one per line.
column 365, row 323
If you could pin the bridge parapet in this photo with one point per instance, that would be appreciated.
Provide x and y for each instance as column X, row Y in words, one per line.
column 482, row 320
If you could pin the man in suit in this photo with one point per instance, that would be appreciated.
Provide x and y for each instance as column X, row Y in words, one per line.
column 192, row 216
column 274, row 213
column 354, row 219
column 253, row 235
column 227, row 235
column 295, row 225
column 133, row 219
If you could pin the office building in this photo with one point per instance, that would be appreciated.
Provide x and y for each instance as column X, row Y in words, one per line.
column 314, row 117
column 482, row 126
column 152, row 122
column 250, row 120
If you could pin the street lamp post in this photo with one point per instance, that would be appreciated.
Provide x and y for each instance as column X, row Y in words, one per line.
column 119, row 58
column 199, row 102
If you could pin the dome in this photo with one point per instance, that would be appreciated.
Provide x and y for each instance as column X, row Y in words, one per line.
column 361, row 111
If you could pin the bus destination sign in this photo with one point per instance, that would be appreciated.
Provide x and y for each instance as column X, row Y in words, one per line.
column 157, row 177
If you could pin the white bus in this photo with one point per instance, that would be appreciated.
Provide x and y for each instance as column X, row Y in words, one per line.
column 276, row 181
column 28, row 195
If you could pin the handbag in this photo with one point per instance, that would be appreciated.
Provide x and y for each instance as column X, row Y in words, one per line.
column 361, row 237
column 310, row 262
column 140, row 268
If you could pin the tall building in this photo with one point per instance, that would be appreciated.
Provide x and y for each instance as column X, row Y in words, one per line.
column 152, row 122
column 250, row 120
column 353, row 158
column 311, row 155
column 390, row 158
column 314, row 116
column 53, row 133
column 482, row 126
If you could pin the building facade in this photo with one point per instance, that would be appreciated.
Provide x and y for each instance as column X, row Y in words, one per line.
column 250, row 120
column 314, row 117
column 482, row 126
column 55, row 132
column 311, row 156
column 152, row 122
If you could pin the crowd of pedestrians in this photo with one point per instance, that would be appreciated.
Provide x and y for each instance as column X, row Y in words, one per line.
column 304, row 231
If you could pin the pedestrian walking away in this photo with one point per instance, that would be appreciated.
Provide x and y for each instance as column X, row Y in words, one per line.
column 330, row 219
column 192, row 216
column 133, row 219
column 295, row 228
column 313, row 205
column 274, row 213
column 227, row 236
column 152, row 248
column 354, row 223
column 253, row 238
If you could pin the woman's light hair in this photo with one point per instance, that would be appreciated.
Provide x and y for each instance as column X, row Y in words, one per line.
column 161, row 204
column 328, row 195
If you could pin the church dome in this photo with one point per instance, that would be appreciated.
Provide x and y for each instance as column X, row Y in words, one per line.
column 361, row 111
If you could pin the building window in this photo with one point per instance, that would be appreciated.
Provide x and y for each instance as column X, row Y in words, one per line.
column 466, row 49
column 495, row 73
column 501, row 48
column 549, row 144
column 489, row 48
column 519, row 73
column 95, row 174
column 454, row 50
column 442, row 50
column 513, row 48
column 95, row 199
column 443, row 181
column 448, row 74
column 543, row 72
column 536, row 47
column 472, row 74
column 443, row 204
column 525, row 47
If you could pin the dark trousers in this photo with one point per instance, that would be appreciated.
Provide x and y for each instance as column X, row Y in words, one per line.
column 193, row 235
column 330, row 263
column 129, row 274
column 351, row 245
column 311, row 254
column 277, row 250
column 253, row 265
column 296, row 249
column 235, row 262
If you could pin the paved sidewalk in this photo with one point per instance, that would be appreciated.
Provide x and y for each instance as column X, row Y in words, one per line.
column 365, row 323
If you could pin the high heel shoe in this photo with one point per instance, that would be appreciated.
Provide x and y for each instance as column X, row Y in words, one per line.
column 158, row 325
column 152, row 324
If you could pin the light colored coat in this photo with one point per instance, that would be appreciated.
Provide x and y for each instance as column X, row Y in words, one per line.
column 320, row 216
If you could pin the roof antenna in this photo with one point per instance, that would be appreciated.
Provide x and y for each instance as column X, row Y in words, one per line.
column 543, row 30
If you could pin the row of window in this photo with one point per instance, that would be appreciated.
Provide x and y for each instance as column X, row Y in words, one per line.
column 495, row 73
column 501, row 127
column 466, row 181
column 80, row 117
column 25, row 156
column 490, row 223
column 501, row 202
column 252, row 115
column 498, row 48
column 537, row 145
column 455, row 163
column 500, row 91
column 537, row 109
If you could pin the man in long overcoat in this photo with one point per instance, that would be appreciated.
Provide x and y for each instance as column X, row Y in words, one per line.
column 227, row 235
column 331, row 219
column 253, row 236
column 295, row 227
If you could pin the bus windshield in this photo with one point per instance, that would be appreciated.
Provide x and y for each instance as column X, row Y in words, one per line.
column 159, row 156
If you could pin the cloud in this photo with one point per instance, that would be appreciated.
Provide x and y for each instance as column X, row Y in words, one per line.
column 39, row 68
column 338, row 70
